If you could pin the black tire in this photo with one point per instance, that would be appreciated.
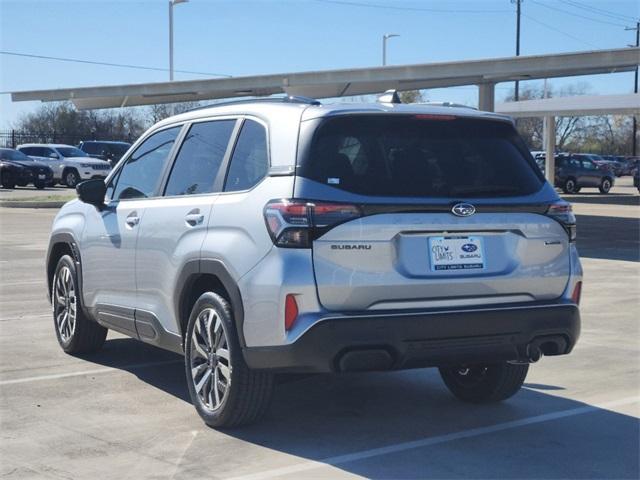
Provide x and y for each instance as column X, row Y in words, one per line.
column 85, row 336
column 605, row 185
column 39, row 185
column 6, row 183
column 71, row 178
column 570, row 186
column 486, row 383
column 247, row 393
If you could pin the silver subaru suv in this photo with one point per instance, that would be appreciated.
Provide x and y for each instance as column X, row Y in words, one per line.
column 284, row 235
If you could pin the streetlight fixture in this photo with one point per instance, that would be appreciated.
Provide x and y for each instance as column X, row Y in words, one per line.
column 171, row 4
column 386, row 37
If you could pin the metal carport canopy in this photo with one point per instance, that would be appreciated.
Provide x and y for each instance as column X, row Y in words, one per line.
column 581, row 105
column 359, row 81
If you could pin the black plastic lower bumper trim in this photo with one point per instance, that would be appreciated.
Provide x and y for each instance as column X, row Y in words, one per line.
column 421, row 339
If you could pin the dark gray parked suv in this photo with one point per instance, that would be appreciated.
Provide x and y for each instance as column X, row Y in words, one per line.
column 576, row 171
column 289, row 236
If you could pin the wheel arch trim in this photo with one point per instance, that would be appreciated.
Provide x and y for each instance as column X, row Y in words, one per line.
column 194, row 269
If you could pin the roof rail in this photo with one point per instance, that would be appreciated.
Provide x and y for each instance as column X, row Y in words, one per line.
column 281, row 99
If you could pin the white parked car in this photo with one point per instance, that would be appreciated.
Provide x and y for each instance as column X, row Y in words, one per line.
column 70, row 165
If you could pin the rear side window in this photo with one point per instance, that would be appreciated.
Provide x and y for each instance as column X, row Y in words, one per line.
column 421, row 156
column 139, row 176
column 90, row 148
column 198, row 163
column 250, row 160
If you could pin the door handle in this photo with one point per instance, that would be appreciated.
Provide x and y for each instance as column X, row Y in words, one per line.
column 194, row 219
column 132, row 220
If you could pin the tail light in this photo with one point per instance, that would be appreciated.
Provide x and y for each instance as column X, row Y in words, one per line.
column 563, row 214
column 296, row 223
column 577, row 293
column 290, row 311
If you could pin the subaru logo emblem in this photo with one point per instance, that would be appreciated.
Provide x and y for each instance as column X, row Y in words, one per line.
column 469, row 247
column 463, row 209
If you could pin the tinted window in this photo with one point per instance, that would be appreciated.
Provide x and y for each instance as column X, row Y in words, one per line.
column 201, row 154
column 421, row 156
column 250, row 161
column 8, row 154
column 71, row 152
column 138, row 178
column 589, row 165
column 90, row 148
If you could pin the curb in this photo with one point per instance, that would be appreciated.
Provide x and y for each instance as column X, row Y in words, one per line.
column 22, row 204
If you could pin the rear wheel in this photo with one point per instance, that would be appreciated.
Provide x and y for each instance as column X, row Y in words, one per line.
column 223, row 389
column 75, row 332
column 570, row 186
column 484, row 383
column 605, row 186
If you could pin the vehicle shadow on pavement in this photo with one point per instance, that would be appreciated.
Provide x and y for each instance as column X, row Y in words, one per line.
column 614, row 238
column 154, row 366
column 326, row 418
column 339, row 421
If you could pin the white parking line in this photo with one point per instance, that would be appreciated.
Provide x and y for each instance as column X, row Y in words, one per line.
column 425, row 442
column 87, row 372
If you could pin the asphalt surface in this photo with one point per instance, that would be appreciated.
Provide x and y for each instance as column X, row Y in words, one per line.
column 125, row 412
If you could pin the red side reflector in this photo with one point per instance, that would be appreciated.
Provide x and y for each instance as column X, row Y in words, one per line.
column 290, row 311
column 577, row 292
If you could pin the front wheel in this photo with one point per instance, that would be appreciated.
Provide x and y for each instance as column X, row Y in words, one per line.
column 605, row 186
column 223, row 389
column 484, row 383
column 75, row 332
column 71, row 178
column 6, row 183
column 39, row 185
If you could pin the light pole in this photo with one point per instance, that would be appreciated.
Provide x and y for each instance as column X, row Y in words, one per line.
column 386, row 37
column 171, row 4
column 634, row 150
column 518, row 3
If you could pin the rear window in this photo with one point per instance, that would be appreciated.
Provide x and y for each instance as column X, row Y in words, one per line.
column 421, row 156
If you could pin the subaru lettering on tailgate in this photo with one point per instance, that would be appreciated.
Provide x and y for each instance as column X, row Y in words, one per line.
column 456, row 253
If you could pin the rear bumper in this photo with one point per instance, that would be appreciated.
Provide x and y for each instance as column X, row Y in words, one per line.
column 410, row 340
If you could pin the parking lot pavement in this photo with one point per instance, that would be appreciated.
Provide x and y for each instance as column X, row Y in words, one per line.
column 125, row 412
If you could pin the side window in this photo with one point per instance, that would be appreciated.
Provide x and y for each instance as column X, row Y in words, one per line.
column 250, row 160
column 588, row 164
column 26, row 150
column 201, row 154
column 139, row 176
column 90, row 148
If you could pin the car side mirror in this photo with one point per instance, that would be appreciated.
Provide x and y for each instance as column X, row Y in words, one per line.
column 92, row 192
column 53, row 155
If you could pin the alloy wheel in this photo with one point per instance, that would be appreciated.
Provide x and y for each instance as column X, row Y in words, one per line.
column 210, row 361
column 571, row 186
column 71, row 179
column 64, row 304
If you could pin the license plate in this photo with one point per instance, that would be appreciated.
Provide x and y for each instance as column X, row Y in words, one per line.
column 456, row 253
column 41, row 177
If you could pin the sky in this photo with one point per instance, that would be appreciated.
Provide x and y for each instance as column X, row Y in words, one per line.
column 242, row 37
